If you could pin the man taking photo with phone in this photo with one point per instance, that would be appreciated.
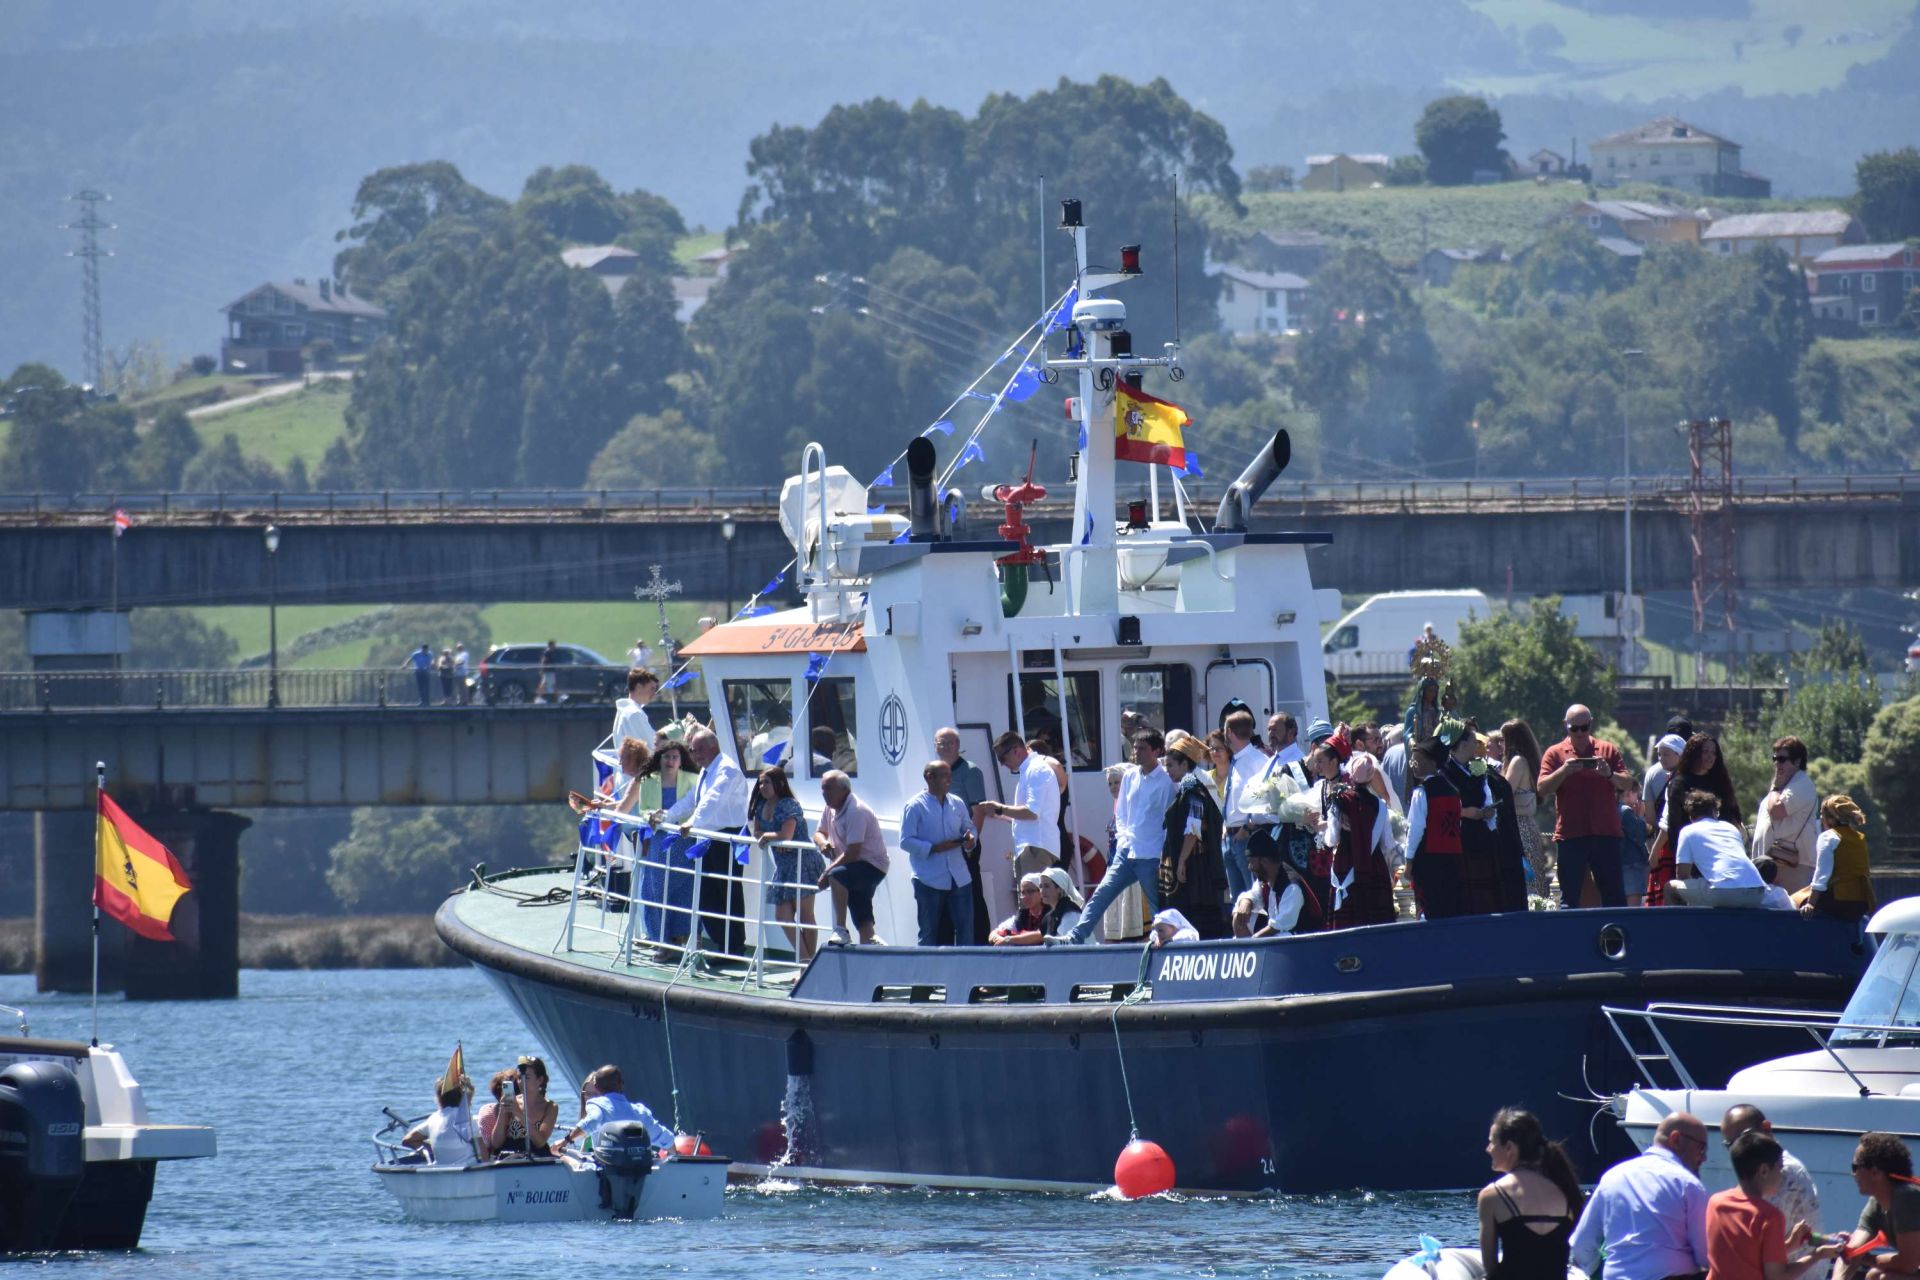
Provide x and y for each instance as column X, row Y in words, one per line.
column 1585, row 777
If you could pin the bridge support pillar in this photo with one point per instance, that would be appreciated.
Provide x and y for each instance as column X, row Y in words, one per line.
column 63, row 907
column 203, row 960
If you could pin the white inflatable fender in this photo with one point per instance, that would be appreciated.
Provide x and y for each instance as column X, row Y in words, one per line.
column 1452, row 1264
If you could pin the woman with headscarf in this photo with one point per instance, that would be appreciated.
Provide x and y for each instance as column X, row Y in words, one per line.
column 1193, row 869
column 1063, row 902
column 1841, row 885
column 1027, row 926
column 1700, row 769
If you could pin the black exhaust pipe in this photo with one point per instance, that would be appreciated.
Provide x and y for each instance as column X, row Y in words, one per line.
column 920, row 506
column 1237, row 504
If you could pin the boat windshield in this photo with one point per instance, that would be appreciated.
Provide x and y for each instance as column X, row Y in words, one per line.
column 1886, row 996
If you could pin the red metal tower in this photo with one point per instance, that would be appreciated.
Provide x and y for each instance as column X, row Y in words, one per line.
column 1710, row 518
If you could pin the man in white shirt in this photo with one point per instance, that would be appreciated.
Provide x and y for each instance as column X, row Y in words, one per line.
column 1283, row 736
column 1140, row 825
column 716, row 802
column 447, row 1134
column 1711, row 864
column 630, row 718
column 462, row 668
column 1249, row 762
column 638, row 655
column 1035, row 811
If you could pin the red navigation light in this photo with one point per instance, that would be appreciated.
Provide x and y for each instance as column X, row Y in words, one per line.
column 1072, row 404
column 1136, row 514
column 1130, row 259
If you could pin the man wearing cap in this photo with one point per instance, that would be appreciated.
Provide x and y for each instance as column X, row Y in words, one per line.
column 1145, row 793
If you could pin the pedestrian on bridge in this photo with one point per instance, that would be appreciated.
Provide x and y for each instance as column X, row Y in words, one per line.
column 421, row 660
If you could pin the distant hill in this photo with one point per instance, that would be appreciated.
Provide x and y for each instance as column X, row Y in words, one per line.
column 232, row 134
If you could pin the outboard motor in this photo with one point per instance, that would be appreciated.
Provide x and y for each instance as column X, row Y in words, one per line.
column 42, row 1158
column 1237, row 504
column 624, row 1153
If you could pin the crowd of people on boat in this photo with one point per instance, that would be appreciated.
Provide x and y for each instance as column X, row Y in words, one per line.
column 1651, row 1217
column 521, row 1120
column 1240, row 833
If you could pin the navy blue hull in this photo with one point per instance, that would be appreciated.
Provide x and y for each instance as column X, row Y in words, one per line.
column 1360, row 1085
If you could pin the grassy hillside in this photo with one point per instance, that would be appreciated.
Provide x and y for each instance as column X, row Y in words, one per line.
column 1880, row 408
column 301, row 424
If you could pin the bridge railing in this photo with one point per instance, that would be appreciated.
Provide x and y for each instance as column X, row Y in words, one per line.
column 244, row 688
column 1359, row 497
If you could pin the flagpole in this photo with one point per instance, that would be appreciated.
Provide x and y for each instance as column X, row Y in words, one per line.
column 100, row 786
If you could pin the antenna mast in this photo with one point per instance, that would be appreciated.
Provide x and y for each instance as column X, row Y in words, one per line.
column 1176, row 264
column 92, row 354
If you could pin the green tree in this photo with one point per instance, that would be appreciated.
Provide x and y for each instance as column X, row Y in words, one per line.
column 402, row 210
column 226, row 468
column 1530, row 665
column 1892, row 760
column 573, row 204
column 396, row 860
column 1459, row 135
column 177, row 640
column 59, row 442
column 1823, row 386
column 1566, row 260
column 654, row 446
column 1406, row 171
column 1270, row 177
column 165, row 450
column 1887, row 194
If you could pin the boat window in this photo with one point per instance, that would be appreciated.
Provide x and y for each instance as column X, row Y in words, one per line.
column 1012, row 993
column 904, row 993
column 1100, row 992
column 1160, row 695
column 1040, row 701
column 830, row 725
column 1885, row 996
column 761, row 715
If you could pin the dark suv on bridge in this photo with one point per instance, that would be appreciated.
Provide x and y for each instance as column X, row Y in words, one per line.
column 510, row 674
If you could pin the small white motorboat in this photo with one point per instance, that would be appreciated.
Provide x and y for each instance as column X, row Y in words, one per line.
column 622, row 1180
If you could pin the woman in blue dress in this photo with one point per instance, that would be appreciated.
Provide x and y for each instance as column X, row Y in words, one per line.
column 666, row 882
column 777, row 816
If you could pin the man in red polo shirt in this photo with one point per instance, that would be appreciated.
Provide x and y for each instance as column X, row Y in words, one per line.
column 1585, row 777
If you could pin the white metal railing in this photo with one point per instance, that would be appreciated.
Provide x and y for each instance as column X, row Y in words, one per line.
column 752, row 877
column 1821, row 1025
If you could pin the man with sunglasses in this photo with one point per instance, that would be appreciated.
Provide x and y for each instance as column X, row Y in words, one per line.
column 1886, row 1243
column 1650, row 1212
column 1035, row 811
column 1585, row 776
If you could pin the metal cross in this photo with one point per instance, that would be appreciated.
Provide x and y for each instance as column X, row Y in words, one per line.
column 659, row 590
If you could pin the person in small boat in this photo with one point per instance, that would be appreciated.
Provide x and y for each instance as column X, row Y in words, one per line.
column 936, row 833
column 1841, row 887
column 1027, row 926
column 1280, row 895
column 778, row 817
column 1748, row 1237
column 1193, row 872
column 1170, row 926
column 850, row 831
column 603, row 1100
column 484, row 1119
column 510, row 1121
column 1649, row 1213
column 1711, row 867
column 447, row 1135
column 1886, row 1243
column 1433, row 832
column 1527, row 1213
column 1064, row 904
column 1798, row 1197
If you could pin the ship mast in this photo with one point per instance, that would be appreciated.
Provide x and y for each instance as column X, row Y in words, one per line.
column 1101, row 352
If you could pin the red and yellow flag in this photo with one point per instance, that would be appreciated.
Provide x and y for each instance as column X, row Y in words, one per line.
column 135, row 879
column 1148, row 429
column 456, row 1072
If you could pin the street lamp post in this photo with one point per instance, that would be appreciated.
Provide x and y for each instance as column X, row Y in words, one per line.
column 273, row 615
column 1629, row 622
column 727, row 529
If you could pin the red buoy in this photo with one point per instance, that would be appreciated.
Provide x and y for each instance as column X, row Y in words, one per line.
column 689, row 1144
column 1143, row 1169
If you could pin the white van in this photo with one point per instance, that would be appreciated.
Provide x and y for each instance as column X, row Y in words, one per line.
column 1373, row 640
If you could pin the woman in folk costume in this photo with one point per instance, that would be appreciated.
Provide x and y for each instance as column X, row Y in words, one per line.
column 1479, row 819
column 1357, row 827
column 1193, row 870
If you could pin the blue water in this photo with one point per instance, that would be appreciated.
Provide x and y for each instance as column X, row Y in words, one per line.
column 294, row 1073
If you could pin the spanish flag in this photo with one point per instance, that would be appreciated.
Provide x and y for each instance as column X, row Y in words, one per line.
column 1148, row 429
column 456, row 1073
column 135, row 879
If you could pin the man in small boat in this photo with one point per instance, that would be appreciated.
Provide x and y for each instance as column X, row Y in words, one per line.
column 936, row 833
column 1650, row 1212
column 1798, row 1197
column 1035, row 811
column 1139, row 816
column 716, row 802
column 1890, row 1222
column 1280, row 894
column 447, row 1134
column 603, row 1100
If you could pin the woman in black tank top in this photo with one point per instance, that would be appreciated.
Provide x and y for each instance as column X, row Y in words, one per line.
column 1527, row 1214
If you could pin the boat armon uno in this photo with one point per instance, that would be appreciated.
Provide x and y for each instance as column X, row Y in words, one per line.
column 1367, row 1057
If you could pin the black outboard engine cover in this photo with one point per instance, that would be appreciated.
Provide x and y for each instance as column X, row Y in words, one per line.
column 624, row 1152
column 42, row 1158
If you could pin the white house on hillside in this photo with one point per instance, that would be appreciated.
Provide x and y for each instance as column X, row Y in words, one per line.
column 1804, row 235
column 1256, row 302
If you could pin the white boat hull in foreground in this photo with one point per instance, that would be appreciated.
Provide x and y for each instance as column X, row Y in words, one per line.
column 553, row 1191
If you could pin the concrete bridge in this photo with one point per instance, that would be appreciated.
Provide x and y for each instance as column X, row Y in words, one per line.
column 1794, row 533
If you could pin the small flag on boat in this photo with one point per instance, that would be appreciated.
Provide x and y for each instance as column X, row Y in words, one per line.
column 684, row 677
column 773, row 753
column 121, row 522
column 1148, row 429
column 1025, row 381
column 972, row 453
column 697, row 850
column 944, row 427
column 455, row 1074
column 1063, row 314
column 885, row 478
column 816, row 664
column 756, row 611
column 135, row 879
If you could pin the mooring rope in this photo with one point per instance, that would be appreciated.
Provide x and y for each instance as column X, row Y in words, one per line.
column 1141, row 991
